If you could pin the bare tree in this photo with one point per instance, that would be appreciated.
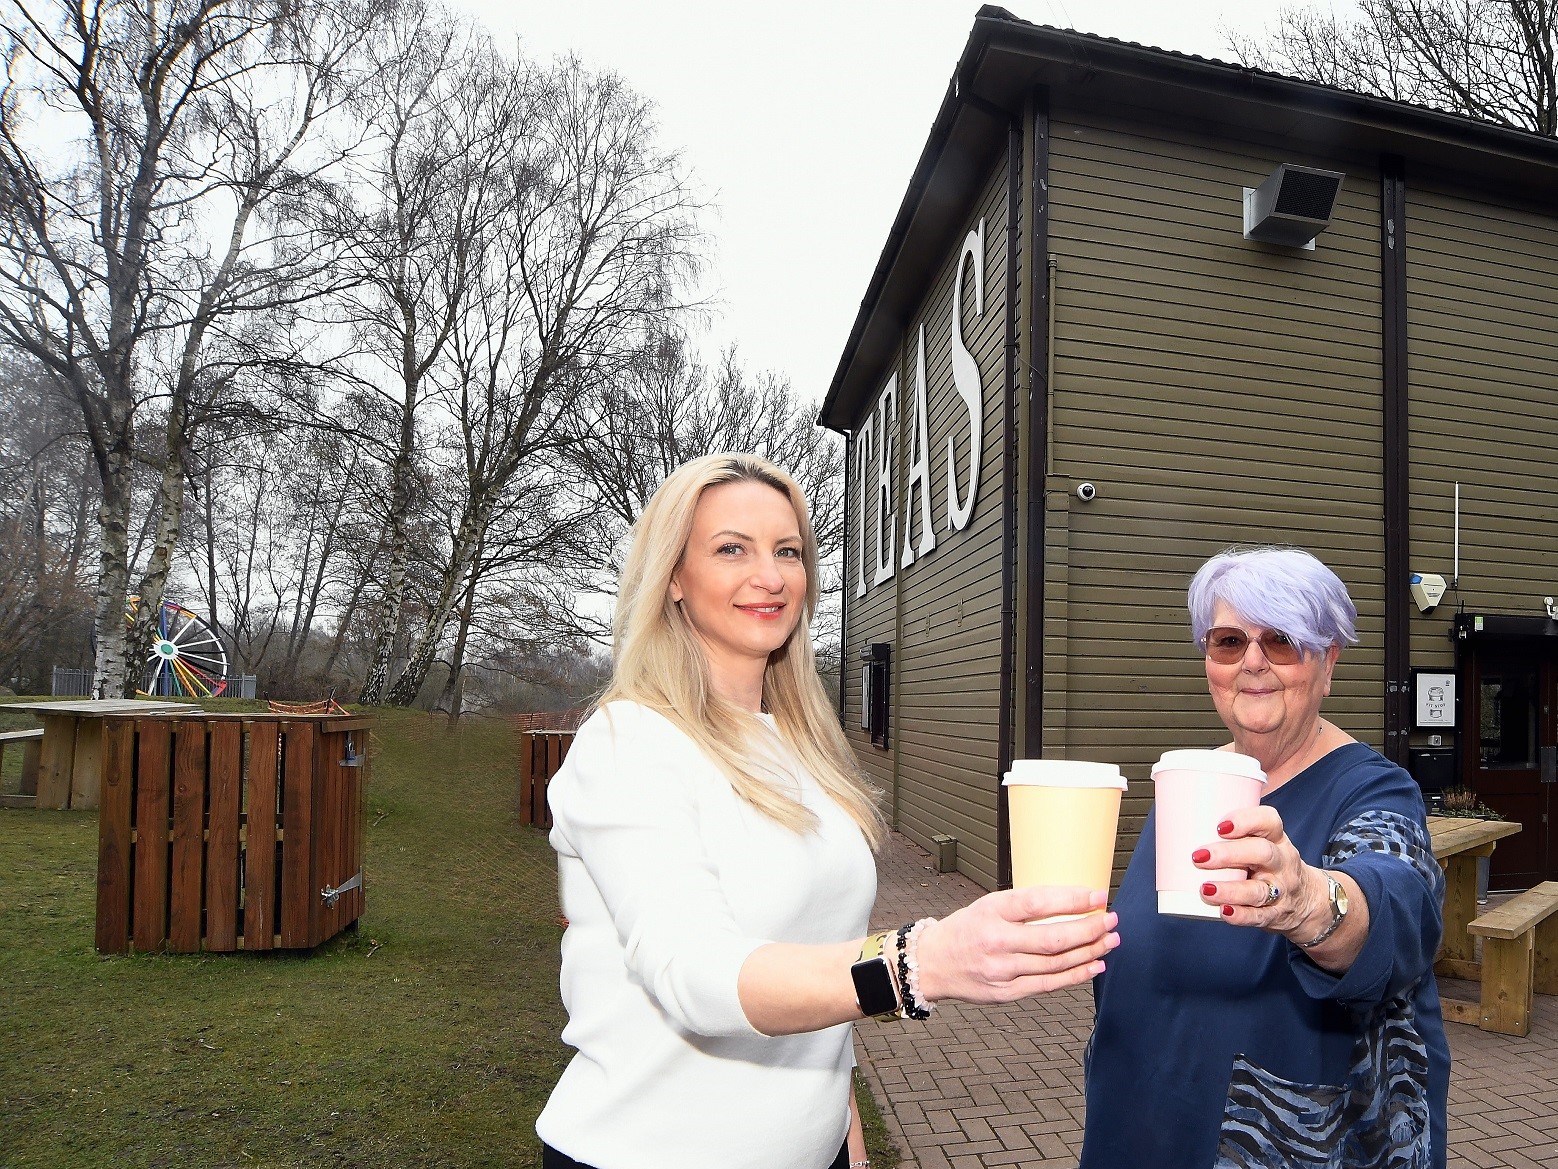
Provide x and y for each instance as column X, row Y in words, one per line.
column 670, row 409
column 153, row 159
column 45, row 521
column 1495, row 60
column 272, row 511
column 441, row 109
column 595, row 245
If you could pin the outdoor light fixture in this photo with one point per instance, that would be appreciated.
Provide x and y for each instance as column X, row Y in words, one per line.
column 1292, row 206
column 1552, row 608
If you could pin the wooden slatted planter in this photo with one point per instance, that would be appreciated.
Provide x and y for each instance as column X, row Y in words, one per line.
column 228, row 832
column 541, row 753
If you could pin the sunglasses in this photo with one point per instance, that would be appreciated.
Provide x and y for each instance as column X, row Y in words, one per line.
column 1227, row 644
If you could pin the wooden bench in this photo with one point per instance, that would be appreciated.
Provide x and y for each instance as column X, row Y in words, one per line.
column 32, row 747
column 1519, row 957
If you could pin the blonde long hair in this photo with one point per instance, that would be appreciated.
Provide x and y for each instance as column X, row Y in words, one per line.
column 660, row 663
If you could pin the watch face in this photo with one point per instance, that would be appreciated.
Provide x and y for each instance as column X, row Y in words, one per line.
column 1338, row 898
column 875, row 990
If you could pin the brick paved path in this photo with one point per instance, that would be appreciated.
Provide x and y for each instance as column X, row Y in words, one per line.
column 1003, row 1085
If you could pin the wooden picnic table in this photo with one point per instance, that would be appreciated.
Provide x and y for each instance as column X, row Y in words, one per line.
column 1457, row 843
column 70, row 767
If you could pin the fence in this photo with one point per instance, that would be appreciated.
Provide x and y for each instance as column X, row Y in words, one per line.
column 225, row 832
column 552, row 720
column 541, row 753
column 68, row 683
column 71, row 683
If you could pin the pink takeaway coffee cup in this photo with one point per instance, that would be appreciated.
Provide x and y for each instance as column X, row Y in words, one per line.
column 1193, row 792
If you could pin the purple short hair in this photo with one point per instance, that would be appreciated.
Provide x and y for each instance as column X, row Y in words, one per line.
column 1285, row 589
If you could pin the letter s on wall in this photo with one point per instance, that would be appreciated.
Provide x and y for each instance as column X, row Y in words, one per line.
column 970, row 387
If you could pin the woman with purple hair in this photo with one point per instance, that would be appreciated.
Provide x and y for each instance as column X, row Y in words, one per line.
column 1309, row 1033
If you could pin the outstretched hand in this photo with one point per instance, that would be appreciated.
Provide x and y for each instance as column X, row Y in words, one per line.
column 987, row 952
column 1254, row 840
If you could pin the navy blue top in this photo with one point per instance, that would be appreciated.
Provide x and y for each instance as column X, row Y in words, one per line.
column 1222, row 1045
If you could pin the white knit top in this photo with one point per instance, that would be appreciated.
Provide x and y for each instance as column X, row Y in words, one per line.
column 669, row 881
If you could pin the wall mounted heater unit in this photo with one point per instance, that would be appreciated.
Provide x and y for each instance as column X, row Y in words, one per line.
column 1292, row 206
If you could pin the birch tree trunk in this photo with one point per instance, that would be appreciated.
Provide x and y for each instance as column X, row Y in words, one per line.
column 458, row 572
column 453, row 697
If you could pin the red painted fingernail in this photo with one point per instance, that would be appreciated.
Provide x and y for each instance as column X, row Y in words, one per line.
column 1227, row 911
column 1225, row 828
column 1209, row 890
column 1200, row 856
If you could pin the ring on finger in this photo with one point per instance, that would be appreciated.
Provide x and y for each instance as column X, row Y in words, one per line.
column 1273, row 894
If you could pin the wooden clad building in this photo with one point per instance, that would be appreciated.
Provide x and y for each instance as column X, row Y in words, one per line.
column 1076, row 374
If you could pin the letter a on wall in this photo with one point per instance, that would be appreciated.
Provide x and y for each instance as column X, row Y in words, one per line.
column 919, row 467
column 965, row 375
column 886, row 519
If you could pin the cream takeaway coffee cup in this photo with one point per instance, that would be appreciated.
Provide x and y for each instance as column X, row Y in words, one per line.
column 1064, row 813
column 1193, row 792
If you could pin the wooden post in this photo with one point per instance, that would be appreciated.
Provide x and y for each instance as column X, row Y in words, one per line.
column 297, row 818
column 1506, row 984
column 185, row 882
column 259, row 886
column 32, row 751
column 149, row 916
column 1545, row 976
column 526, row 768
column 57, row 760
column 226, row 780
column 1460, row 906
column 113, row 840
column 86, row 767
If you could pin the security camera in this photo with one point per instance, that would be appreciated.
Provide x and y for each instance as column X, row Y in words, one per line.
column 1086, row 492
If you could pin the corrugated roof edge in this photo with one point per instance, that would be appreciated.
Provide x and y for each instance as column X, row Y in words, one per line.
column 991, row 19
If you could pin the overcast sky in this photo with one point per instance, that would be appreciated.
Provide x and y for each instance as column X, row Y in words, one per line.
column 801, row 121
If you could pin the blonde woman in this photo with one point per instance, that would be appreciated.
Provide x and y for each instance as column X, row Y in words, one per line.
column 714, row 851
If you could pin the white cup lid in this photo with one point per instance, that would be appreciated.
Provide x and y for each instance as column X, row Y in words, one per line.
column 1218, row 762
column 1063, row 773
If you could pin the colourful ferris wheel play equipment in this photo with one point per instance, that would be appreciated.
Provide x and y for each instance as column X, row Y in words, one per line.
column 186, row 659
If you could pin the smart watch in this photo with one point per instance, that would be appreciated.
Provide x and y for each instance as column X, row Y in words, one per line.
column 1338, row 911
column 876, row 991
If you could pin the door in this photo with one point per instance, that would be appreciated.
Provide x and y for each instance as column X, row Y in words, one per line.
column 1511, row 751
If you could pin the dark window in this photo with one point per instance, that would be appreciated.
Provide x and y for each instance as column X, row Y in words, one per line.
column 875, row 685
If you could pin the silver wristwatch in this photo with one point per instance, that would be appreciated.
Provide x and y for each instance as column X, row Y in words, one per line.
column 1338, row 911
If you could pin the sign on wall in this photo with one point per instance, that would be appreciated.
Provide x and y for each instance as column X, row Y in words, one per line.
column 876, row 443
column 1433, row 700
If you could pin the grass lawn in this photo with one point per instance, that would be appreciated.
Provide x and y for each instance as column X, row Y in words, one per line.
column 426, row 1038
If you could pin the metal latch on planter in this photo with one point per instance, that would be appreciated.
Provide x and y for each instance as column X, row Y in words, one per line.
column 331, row 896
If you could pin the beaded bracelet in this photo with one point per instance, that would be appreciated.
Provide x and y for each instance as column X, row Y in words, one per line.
column 914, row 1007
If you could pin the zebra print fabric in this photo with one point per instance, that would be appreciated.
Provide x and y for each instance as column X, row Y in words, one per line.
column 1379, row 1118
